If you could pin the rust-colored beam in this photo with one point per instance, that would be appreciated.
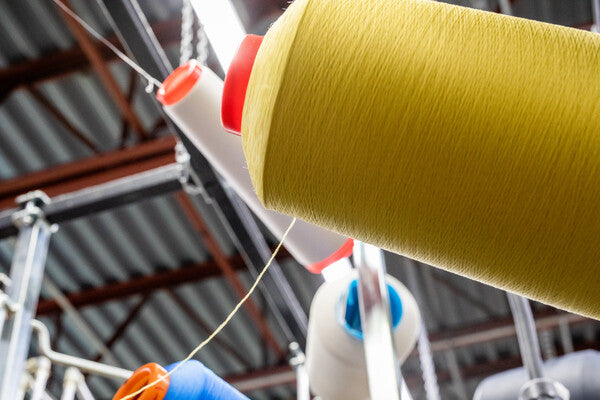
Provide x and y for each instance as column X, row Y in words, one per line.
column 90, row 171
column 228, row 271
column 64, row 62
column 101, row 67
column 263, row 378
column 133, row 78
column 120, row 330
column 495, row 329
column 185, row 274
column 285, row 375
column 64, row 121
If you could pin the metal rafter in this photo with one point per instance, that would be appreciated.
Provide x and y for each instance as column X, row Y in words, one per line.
column 60, row 117
column 130, row 92
column 90, row 171
column 61, row 63
column 187, row 273
column 285, row 375
column 120, row 330
column 93, row 54
column 228, row 271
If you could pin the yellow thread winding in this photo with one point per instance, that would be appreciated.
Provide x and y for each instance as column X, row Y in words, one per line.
column 225, row 322
column 464, row 139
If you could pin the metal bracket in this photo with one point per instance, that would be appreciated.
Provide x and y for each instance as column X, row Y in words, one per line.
column 31, row 208
column 10, row 306
column 188, row 181
column 297, row 361
column 544, row 388
column 5, row 280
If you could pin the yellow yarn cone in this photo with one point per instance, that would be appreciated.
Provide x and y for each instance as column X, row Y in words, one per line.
column 464, row 139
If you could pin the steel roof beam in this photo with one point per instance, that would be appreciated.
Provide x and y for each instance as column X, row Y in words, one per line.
column 187, row 273
column 61, row 63
column 93, row 54
column 90, row 171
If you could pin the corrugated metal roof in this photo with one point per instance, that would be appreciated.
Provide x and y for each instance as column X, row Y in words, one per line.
column 155, row 235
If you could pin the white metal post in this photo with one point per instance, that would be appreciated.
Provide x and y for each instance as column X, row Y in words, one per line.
column 26, row 274
column 70, row 381
column 538, row 387
column 40, row 368
column 596, row 14
column 383, row 368
column 297, row 361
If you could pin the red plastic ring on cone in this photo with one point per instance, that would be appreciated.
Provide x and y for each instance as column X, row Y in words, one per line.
column 179, row 83
column 343, row 252
column 142, row 376
column 236, row 83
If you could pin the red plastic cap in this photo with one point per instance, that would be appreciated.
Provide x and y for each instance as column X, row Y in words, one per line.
column 179, row 83
column 143, row 376
column 343, row 252
column 236, row 83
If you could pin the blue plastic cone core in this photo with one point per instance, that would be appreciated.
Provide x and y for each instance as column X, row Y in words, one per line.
column 351, row 320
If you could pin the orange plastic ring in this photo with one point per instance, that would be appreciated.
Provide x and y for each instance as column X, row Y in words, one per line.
column 141, row 377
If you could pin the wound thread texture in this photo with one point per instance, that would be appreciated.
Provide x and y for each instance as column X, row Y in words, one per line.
column 464, row 139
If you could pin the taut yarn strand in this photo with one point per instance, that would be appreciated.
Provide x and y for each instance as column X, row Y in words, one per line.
column 464, row 139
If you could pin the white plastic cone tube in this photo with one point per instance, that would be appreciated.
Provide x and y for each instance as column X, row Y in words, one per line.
column 335, row 359
column 191, row 97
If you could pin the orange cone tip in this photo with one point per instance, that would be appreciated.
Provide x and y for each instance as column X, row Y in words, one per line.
column 144, row 375
column 343, row 252
column 179, row 83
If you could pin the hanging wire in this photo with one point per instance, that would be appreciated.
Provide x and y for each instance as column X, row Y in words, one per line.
column 151, row 80
column 202, row 45
column 187, row 33
column 187, row 36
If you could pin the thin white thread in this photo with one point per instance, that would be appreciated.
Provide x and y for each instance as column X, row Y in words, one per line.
column 225, row 321
column 151, row 80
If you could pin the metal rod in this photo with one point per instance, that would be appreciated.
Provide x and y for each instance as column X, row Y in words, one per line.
column 26, row 275
column 538, row 387
column 457, row 381
column 298, row 362
column 596, row 14
column 526, row 335
column 566, row 339
column 70, row 384
column 105, row 196
column 383, row 368
column 42, row 373
column 64, row 359
column 83, row 391
column 24, row 383
column 432, row 389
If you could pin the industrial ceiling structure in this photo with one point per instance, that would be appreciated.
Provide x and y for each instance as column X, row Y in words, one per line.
column 152, row 279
